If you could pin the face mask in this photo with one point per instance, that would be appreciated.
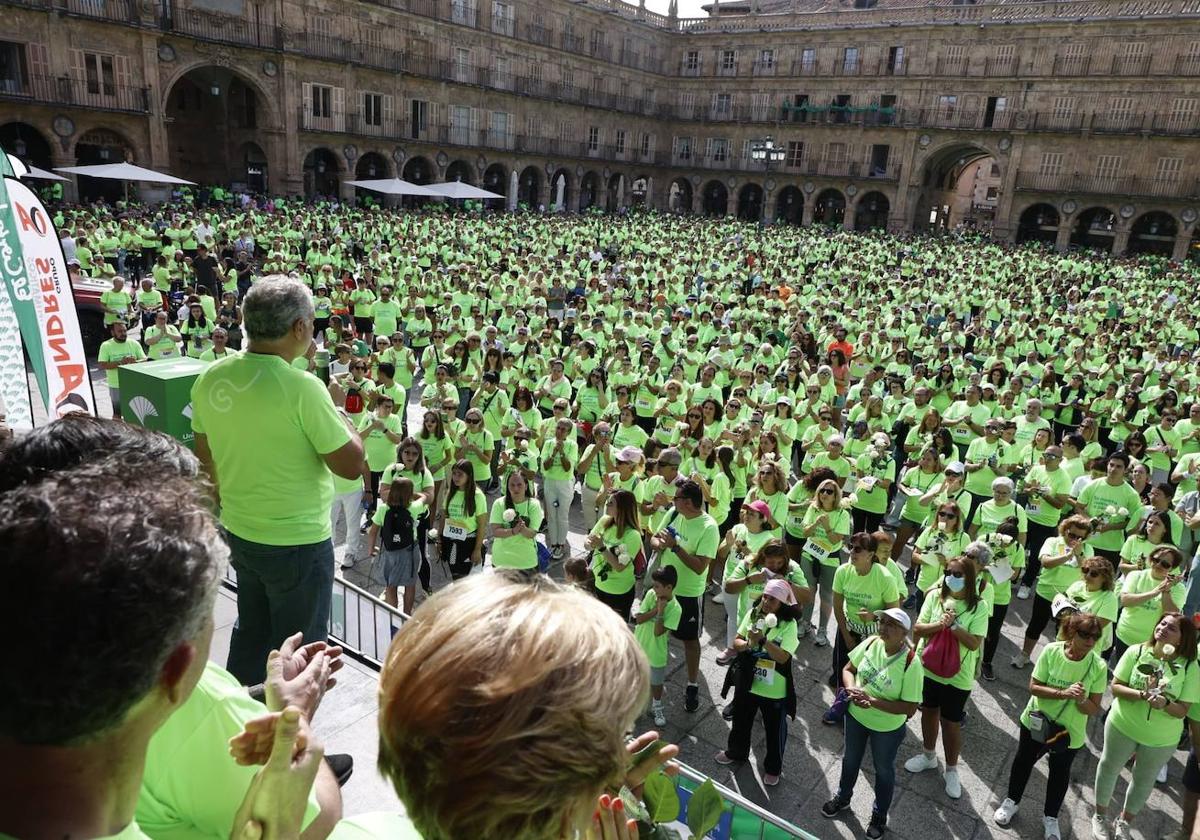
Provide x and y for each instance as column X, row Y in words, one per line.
column 955, row 583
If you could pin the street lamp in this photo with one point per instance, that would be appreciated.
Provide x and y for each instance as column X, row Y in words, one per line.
column 765, row 151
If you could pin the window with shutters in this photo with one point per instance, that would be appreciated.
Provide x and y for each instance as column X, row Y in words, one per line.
column 503, row 20
column 1073, row 59
column 532, row 126
column 419, row 119
column 1062, row 111
column 895, row 61
column 500, row 125
column 760, row 107
column 462, row 65
column 324, row 107
column 1168, row 169
column 372, row 110
column 850, row 61
column 795, row 153
column 100, row 74
column 955, row 59
column 766, row 61
column 1133, row 59
column 619, row 144
column 14, row 68
column 728, row 62
column 1182, row 116
column 566, row 130
column 1051, row 165
column 718, row 149
column 502, row 77
column 1005, row 63
column 687, row 105
column 808, row 60
column 1189, row 60
column 1120, row 112
column 691, row 63
column 1108, row 167
column 464, row 125
column 836, row 156
column 947, row 106
column 681, row 149
column 371, row 36
column 647, row 146
column 722, row 106
column 593, row 140
column 463, row 12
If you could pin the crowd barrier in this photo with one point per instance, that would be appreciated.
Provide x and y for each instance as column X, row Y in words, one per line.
column 364, row 625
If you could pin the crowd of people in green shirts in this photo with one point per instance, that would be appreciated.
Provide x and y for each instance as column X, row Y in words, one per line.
column 877, row 443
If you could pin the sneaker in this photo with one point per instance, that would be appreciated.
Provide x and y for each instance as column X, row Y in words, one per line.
column 834, row 807
column 802, row 630
column 1161, row 778
column 1120, row 830
column 348, row 561
column 1005, row 813
column 1023, row 592
column 987, row 673
column 691, row 699
column 712, row 588
column 726, row 657
column 1050, row 827
column 953, row 785
column 820, row 639
column 727, row 712
column 921, row 762
column 557, row 552
column 723, row 758
column 342, row 767
column 660, row 715
column 877, row 827
column 719, row 598
column 1020, row 661
column 770, row 779
column 1100, row 830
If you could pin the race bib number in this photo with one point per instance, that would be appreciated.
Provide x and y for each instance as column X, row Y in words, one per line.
column 456, row 532
column 815, row 551
column 643, row 402
column 764, row 671
column 1033, row 508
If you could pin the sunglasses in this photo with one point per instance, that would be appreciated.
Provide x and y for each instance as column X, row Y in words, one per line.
column 1077, row 536
column 1165, row 564
column 693, row 416
column 603, row 434
column 825, row 492
column 474, row 421
column 1090, row 637
column 1093, row 574
column 947, row 515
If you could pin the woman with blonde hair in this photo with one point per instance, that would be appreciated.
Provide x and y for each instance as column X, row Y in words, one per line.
column 825, row 527
column 561, row 675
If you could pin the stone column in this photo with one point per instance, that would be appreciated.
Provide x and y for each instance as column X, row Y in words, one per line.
column 697, row 201
column 848, row 216
column 1063, row 240
column 1182, row 242
column 770, row 205
column 806, row 217
column 1121, row 238
column 730, row 201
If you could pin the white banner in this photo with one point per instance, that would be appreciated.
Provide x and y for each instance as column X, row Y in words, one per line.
column 16, row 402
column 67, row 386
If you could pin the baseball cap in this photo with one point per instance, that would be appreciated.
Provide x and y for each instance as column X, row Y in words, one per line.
column 897, row 615
column 760, row 507
column 629, row 455
column 956, row 467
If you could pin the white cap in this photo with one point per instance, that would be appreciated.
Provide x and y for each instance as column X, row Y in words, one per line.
column 897, row 615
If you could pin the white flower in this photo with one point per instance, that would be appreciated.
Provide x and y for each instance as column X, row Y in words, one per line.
column 1110, row 511
column 510, row 515
column 623, row 555
column 1168, row 650
column 1123, row 511
column 1003, row 539
column 522, row 444
column 770, row 621
column 849, row 501
column 941, row 526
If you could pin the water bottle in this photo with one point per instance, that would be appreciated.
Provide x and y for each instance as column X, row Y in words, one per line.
column 323, row 365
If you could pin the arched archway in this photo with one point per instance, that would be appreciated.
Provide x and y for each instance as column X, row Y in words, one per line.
column 637, row 190
column 1095, row 228
column 1038, row 223
column 321, row 173
column 565, row 202
column 418, row 170
column 871, row 212
column 960, row 187
column 254, row 161
column 460, row 170
column 370, row 166
column 750, row 202
column 789, row 206
column 211, row 113
column 716, row 199
column 529, row 187
column 589, row 190
column 614, row 195
column 829, row 208
column 679, row 196
column 101, row 145
column 495, row 179
column 27, row 143
column 1153, row 233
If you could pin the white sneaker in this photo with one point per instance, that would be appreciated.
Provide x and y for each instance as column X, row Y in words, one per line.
column 1020, row 661
column 1004, row 814
column 348, row 562
column 953, row 785
column 1100, row 830
column 1120, row 830
column 802, row 630
column 660, row 715
column 719, row 598
column 921, row 762
column 1050, row 827
column 1023, row 592
column 1161, row 778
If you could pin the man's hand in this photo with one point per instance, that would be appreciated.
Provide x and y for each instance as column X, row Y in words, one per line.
column 299, row 675
column 273, row 808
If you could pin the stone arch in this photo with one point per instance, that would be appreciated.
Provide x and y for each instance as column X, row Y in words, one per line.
column 495, row 178
column 1153, row 233
column 789, row 205
column 267, row 99
column 589, row 190
column 254, row 159
column 529, row 187
column 943, row 198
column 27, row 142
column 679, row 196
column 751, row 198
column 715, row 198
column 871, row 211
column 639, row 186
column 322, row 173
column 616, row 192
column 98, row 146
column 567, row 190
column 829, row 207
column 460, row 170
column 372, row 166
column 418, row 170
column 1038, row 223
column 1095, row 227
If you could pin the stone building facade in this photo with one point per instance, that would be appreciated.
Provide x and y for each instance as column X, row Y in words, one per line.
column 1084, row 114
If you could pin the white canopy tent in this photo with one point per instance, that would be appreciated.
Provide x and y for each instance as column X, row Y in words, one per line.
column 457, row 189
column 393, row 186
column 36, row 173
column 123, row 172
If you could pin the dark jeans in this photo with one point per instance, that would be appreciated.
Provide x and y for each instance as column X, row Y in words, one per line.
column 1057, row 781
column 866, row 521
column 456, row 554
column 1037, row 534
column 884, row 746
column 995, row 625
column 841, row 655
column 746, row 706
column 281, row 590
column 1039, row 617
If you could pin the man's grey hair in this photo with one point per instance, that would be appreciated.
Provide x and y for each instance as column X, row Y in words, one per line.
column 273, row 305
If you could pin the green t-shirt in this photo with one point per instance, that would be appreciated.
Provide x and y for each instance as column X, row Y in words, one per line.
column 974, row 621
column 608, row 579
column 1054, row 669
column 376, row 826
column 112, row 350
column 193, row 743
column 1137, row 623
column 870, row 495
column 459, row 523
column 1097, row 498
column 754, row 590
column 872, row 591
column 1135, row 718
column 1102, row 603
column 1051, row 582
column 653, row 644
column 936, row 547
column 552, row 468
column 268, row 426
column 380, row 451
column 920, row 482
column 824, row 548
column 991, row 516
column 516, row 551
column 119, row 301
column 699, row 537
column 770, row 680
column 1056, row 483
column 900, row 676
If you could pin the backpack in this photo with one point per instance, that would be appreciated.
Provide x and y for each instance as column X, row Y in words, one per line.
column 354, row 402
column 398, row 529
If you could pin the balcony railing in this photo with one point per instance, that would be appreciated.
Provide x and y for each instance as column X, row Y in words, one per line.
column 1131, row 185
column 1138, row 65
column 224, row 29
column 63, row 90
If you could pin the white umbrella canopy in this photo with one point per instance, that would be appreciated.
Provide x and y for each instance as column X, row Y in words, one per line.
column 392, row 186
column 457, row 189
column 39, row 174
column 122, row 172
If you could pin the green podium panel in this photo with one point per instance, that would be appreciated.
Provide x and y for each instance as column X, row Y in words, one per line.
column 158, row 395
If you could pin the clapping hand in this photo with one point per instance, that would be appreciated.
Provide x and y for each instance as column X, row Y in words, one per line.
column 299, row 675
column 274, row 805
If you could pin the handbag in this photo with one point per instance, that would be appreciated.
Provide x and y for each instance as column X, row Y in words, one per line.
column 1044, row 730
column 941, row 656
